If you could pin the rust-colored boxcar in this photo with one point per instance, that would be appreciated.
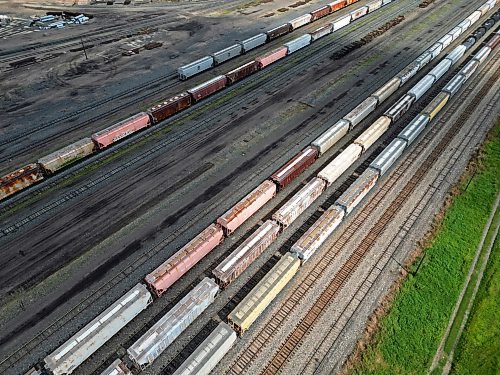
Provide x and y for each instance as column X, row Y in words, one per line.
column 208, row 88
column 241, row 72
column 183, row 260
column 19, row 180
column 294, row 167
column 169, row 107
column 321, row 12
column 271, row 57
column 337, row 5
column 120, row 130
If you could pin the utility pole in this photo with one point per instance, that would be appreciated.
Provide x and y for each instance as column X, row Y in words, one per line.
column 84, row 50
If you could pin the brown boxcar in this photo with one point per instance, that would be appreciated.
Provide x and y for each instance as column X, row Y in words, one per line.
column 278, row 31
column 337, row 5
column 208, row 88
column 242, row 72
column 120, row 130
column 169, row 107
column 287, row 173
column 19, row 180
column 271, row 57
column 321, row 12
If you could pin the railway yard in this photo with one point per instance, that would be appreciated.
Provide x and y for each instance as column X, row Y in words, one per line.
column 166, row 208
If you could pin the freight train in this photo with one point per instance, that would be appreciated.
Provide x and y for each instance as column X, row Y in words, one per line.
column 150, row 345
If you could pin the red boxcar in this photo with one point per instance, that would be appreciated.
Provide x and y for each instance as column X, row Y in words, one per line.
column 208, row 88
column 294, row 167
column 242, row 72
column 271, row 57
column 114, row 133
column 349, row 2
column 337, row 5
column 19, row 180
column 494, row 41
column 184, row 259
column 321, row 12
column 169, row 107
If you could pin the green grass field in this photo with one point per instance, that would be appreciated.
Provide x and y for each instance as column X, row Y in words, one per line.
column 410, row 333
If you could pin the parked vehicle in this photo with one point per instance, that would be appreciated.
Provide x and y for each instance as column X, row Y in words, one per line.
column 120, row 130
column 19, row 180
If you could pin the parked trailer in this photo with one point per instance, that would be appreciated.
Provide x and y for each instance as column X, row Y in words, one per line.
column 67, row 155
column 337, row 5
column 387, row 90
column 291, row 170
column 320, row 12
column 358, row 190
column 362, row 110
column 169, row 107
column 245, row 208
column 183, row 260
column 71, row 354
column 374, row 5
column 207, row 88
column 241, row 258
column 386, row 158
column 20, row 179
column 149, row 347
column 271, row 57
column 195, row 67
column 206, row 356
column 400, row 107
column 293, row 208
column 254, row 304
column 300, row 21
column 358, row 13
column 254, row 42
column 408, row 72
column 318, row 233
column 241, row 72
column 227, row 53
column 278, row 31
column 117, row 368
column 422, row 86
column 120, row 130
column 456, row 54
column 321, row 32
column 436, row 105
column 341, row 22
column 373, row 133
column 340, row 164
column 330, row 137
column 414, row 128
column 454, row 85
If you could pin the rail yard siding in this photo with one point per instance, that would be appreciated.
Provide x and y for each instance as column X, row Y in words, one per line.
column 340, row 164
column 67, row 155
column 19, row 180
column 169, row 107
column 291, row 170
column 114, row 133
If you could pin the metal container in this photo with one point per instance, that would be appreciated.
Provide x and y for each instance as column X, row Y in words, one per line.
column 120, row 130
column 278, row 31
column 271, row 57
column 408, row 72
column 400, row 107
column 373, row 133
column 455, row 32
column 440, row 69
column 330, row 137
column 67, row 155
column 254, row 42
column 318, row 233
column 386, row 158
column 244, row 255
column 387, row 90
column 320, row 12
column 414, row 128
column 484, row 9
column 358, row 190
column 241, row 72
column 469, row 69
column 245, row 208
column 206, row 356
column 19, row 180
column 446, row 40
column 337, row 5
column 298, row 43
column 456, row 53
column 169, row 107
column 385, row 2
column 296, row 205
column 482, row 54
column 291, row 170
column 321, row 32
column 208, row 88
column 227, row 53
column 374, row 5
column 423, row 59
column 454, row 85
column 183, row 260
column 300, row 21
column 435, row 50
column 340, row 164
column 362, row 110
column 494, row 41
column 117, row 368
column 469, row 42
column 195, row 67
column 358, row 13
column 71, row 354
column 149, row 347
column 436, row 105
column 341, row 22
column 474, row 17
column 254, row 304
column 422, row 86
column 464, row 25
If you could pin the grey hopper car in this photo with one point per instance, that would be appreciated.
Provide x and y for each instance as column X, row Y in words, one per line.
column 423, row 59
column 414, row 128
column 358, row 190
column 253, row 42
column 195, row 67
column 446, row 40
column 454, row 85
column 435, row 50
column 482, row 54
column 422, row 86
column 362, row 110
column 408, row 72
column 298, row 43
column 469, row 69
column 456, row 53
column 326, row 140
column 455, row 32
column 227, row 53
column 387, row 90
column 386, row 158
column 464, row 25
column 438, row 71
column 400, row 107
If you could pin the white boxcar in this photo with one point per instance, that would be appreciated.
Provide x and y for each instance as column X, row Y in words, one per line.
column 464, row 25
column 387, row 90
column 358, row 13
column 435, row 50
column 298, row 43
column 482, row 54
column 314, row 237
column 117, row 368
column 149, row 347
column 341, row 22
column 423, row 59
column 400, row 107
column 321, row 32
column 408, row 72
column 195, row 67
column 454, row 85
column 484, row 9
column 362, row 110
column 385, row 2
column 440, row 69
column 358, row 190
column 254, row 42
column 414, row 128
column 456, row 53
column 66, row 358
column 209, row 353
column 374, row 5
column 326, row 140
column 227, row 53
column 422, row 86
column 387, row 157
column 340, row 164
column 446, row 40
column 455, row 32
column 373, row 133
column 294, row 207
column 300, row 21
column 474, row 17
column 469, row 69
